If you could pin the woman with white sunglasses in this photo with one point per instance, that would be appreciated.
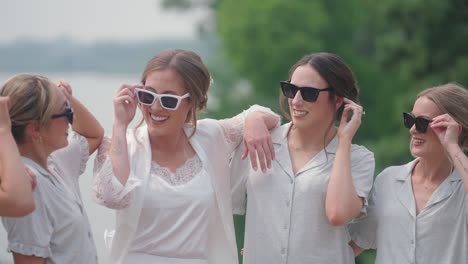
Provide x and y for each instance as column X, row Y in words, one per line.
column 298, row 211
column 169, row 177
column 418, row 212
column 41, row 112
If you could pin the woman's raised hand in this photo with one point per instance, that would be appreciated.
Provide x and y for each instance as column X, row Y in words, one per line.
column 348, row 127
column 125, row 103
column 446, row 129
column 258, row 143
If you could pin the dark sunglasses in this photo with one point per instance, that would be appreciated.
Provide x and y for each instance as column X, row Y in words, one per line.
column 309, row 94
column 421, row 123
column 68, row 114
column 168, row 101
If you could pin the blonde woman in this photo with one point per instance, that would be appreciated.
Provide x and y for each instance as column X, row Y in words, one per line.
column 41, row 113
column 418, row 212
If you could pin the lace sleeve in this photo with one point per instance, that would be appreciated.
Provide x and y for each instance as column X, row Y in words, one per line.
column 107, row 190
column 233, row 127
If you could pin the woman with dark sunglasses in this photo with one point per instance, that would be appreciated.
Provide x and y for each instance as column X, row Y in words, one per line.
column 169, row 177
column 418, row 212
column 16, row 197
column 298, row 211
column 41, row 113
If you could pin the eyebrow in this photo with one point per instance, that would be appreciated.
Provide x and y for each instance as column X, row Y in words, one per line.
column 423, row 116
column 154, row 90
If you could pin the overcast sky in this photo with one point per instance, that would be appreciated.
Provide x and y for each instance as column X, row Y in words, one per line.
column 92, row 20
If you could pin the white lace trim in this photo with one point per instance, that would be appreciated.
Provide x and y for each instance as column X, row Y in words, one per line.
column 107, row 190
column 183, row 174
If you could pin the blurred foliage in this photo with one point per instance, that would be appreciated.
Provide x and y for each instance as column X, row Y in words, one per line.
column 395, row 47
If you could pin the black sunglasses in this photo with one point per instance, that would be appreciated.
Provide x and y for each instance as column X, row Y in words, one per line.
column 309, row 94
column 68, row 114
column 421, row 123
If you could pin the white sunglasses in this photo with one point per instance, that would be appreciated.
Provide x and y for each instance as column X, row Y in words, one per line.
column 167, row 101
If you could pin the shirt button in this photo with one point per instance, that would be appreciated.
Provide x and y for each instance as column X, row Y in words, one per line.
column 412, row 241
column 287, row 203
column 285, row 226
column 291, row 181
column 283, row 251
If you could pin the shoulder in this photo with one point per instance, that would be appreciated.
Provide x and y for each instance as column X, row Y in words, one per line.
column 279, row 133
column 208, row 127
column 393, row 173
column 359, row 152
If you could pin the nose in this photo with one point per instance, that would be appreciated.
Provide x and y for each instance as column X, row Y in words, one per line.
column 413, row 130
column 157, row 105
column 297, row 98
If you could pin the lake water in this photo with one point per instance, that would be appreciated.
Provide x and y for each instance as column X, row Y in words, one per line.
column 96, row 91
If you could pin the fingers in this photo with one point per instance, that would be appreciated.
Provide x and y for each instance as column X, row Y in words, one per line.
column 66, row 88
column 445, row 121
column 260, row 153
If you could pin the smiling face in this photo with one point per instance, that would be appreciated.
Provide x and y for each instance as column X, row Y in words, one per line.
column 55, row 133
column 425, row 145
column 310, row 114
column 161, row 121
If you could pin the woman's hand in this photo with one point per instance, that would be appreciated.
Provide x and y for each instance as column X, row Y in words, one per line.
column 257, row 142
column 125, row 104
column 348, row 128
column 446, row 129
column 66, row 88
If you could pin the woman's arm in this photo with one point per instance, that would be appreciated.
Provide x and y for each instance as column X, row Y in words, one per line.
column 84, row 123
column 251, row 127
column 125, row 104
column 16, row 197
column 342, row 202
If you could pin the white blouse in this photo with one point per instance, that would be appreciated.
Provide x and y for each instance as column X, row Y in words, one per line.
column 176, row 215
column 176, row 211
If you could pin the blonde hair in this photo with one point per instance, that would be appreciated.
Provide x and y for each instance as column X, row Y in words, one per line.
column 31, row 98
column 452, row 99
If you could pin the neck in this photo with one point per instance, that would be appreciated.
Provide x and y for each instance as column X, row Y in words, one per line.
column 301, row 139
column 35, row 152
column 434, row 170
column 170, row 143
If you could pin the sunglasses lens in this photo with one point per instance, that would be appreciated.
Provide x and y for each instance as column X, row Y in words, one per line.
column 288, row 89
column 145, row 98
column 309, row 94
column 421, row 125
column 169, row 102
column 408, row 120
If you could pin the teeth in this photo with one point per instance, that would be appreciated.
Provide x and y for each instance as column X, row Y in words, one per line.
column 158, row 118
column 418, row 141
column 300, row 113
